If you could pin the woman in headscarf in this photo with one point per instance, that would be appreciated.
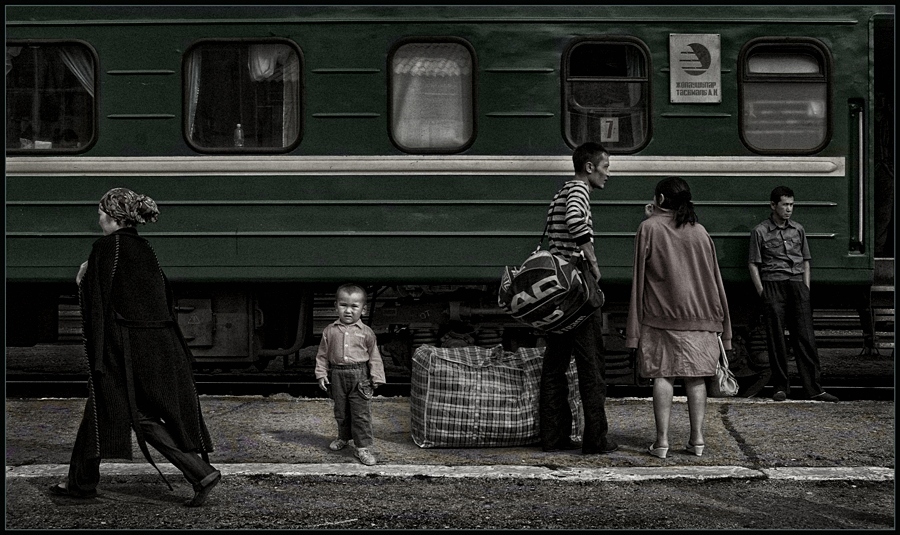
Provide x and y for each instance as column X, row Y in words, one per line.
column 678, row 308
column 140, row 366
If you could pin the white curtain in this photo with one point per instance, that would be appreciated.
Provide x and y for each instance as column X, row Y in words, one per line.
column 193, row 81
column 279, row 63
column 11, row 52
column 635, row 69
column 432, row 96
column 80, row 64
column 290, row 113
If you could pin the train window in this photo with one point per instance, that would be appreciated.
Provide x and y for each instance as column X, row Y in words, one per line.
column 50, row 103
column 784, row 96
column 606, row 94
column 242, row 96
column 431, row 87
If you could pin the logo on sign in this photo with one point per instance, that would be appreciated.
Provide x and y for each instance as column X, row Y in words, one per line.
column 695, row 59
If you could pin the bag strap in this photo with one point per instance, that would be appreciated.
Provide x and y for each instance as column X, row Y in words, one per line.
column 723, row 356
column 544, row 235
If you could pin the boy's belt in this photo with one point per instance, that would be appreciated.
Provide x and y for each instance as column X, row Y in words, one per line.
column 351, row 366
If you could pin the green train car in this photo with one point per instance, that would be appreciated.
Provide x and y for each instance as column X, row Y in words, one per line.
column 414, row 149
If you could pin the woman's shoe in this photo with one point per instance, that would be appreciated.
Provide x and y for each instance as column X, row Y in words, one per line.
column 695, row 449
column 657, row 452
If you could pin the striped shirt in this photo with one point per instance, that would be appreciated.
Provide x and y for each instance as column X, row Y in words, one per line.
column 569, row 218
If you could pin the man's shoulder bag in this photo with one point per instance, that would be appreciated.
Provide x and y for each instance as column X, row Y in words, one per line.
column 549, row 292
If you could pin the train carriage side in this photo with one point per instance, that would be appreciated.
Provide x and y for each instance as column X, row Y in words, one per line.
column 416, row 153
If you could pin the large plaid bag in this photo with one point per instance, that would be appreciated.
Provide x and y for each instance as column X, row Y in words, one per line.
column 467, row 397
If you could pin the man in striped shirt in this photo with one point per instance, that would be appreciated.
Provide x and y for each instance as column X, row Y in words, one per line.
column 571, row 233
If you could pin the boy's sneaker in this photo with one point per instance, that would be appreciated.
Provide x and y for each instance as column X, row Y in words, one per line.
column 338, row 444
column 365, row 456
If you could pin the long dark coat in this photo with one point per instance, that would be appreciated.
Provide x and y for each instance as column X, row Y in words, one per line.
column 138, row 359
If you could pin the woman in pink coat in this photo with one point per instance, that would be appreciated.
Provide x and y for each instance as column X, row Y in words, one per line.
column 678, row 309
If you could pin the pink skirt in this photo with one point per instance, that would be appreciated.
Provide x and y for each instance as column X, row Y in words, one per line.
column 665, row 353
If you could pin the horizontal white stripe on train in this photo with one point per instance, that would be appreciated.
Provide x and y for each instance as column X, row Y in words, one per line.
column 757, row 166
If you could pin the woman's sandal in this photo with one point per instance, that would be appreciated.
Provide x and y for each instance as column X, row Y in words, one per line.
column 657, row 452
column 695, row 449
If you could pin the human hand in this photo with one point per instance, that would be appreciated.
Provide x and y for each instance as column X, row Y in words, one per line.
column 648, row 209
column 322, row 382
column 81, row 272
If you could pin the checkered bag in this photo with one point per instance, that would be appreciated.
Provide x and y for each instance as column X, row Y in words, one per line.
column 469, row 397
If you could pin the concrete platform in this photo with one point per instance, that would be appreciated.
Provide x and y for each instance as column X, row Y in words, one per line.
column 746, row 438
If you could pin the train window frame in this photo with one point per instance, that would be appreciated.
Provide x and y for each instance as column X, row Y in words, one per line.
column 472, row 112
column 231, row 148
column 646, row 93
column 786, row 46
column 94, row 113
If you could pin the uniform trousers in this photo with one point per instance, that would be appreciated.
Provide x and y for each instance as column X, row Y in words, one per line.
column 786, row 305
column 585, row 343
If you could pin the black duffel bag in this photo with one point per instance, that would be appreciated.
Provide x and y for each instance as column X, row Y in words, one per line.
column 549, row 292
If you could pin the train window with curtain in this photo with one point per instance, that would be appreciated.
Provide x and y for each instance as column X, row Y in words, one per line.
column 242, row 96
column 50, row 97
column 606, row 94
column 784, row 96
column 431, row 97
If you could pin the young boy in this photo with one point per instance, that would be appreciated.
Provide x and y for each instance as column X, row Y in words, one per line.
column 349, row 355
column 779, row 268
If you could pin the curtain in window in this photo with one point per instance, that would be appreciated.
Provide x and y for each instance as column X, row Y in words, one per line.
column 193, row 81
column 432, row 96
column 635, row 69
column 290, row 113
column 80, row 64
column 11, row 52
column 279, row 63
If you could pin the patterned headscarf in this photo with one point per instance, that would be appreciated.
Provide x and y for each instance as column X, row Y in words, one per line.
column 129, row 207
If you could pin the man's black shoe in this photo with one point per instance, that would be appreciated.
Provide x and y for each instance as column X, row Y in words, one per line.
column 567, row 444
column 825, row 396
column 60, row 489
column 201, row 491
column 609, row 448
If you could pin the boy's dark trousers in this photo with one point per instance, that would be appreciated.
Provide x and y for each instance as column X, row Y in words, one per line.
column 786, row 305
column 352, row 390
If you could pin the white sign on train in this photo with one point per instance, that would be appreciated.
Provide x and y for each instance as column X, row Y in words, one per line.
column 695, row 66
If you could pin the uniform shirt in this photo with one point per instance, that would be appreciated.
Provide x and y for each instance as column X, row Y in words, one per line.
column 569, row 219
column 779, row 251
column 349, row 344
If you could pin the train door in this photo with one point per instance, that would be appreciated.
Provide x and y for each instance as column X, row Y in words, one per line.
column 882, row 295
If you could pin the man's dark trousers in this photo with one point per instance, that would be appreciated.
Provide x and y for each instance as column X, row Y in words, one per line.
column 786, row 305
column 585, row 343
